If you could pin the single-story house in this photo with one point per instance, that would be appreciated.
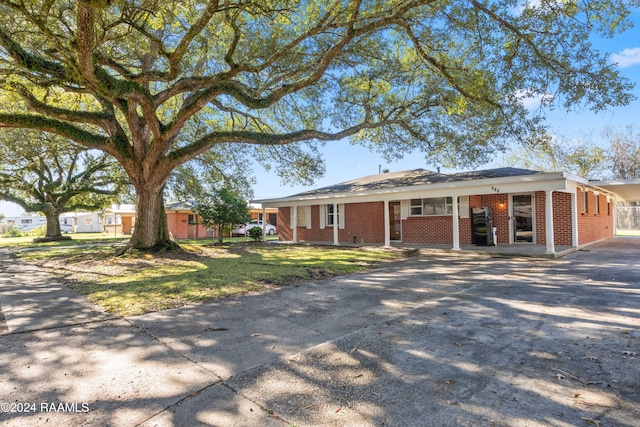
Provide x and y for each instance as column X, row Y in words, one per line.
column 495, row 206
column 182, row 220
column 271, row 214
column 183, row 223
column 119, row 219
column 26, row 222
column 83, row 222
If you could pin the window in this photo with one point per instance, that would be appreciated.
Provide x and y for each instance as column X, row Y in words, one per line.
column 596, row 202
column 88, row 222
column 302, row 216
column 26, row 221
column 332, row 210
column 584, row 201
column 192, row 219
column 608, row 208
column 416, row 206
column 432, row 206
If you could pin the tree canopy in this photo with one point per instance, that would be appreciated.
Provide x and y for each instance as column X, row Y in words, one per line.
column 625, row 152
column 157, row 83
column 553, row 154
column 48, row 174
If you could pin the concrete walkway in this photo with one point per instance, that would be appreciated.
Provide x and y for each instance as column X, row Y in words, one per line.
column 442, row 340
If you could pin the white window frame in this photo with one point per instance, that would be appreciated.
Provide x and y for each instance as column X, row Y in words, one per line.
column 596, row 202
column 331, row 213
column 304, row 216
column 446, row 205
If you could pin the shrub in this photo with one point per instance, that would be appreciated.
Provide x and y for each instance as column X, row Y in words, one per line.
column 37, row 232
column 255, row 233
column 9, row 230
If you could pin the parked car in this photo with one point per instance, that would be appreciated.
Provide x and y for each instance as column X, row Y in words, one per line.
column 244, row 228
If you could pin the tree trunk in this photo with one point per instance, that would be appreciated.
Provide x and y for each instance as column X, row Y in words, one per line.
column 151, row 232
column 53, row 223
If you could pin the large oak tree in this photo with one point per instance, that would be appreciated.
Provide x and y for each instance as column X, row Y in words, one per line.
column 48, row 174
column 156, row 83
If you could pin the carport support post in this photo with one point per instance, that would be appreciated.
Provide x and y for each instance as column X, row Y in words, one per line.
column 574, row 219
column 335, row 224
column 387, row 228
column 264, row 224
column 456, row 227
column 548, row 219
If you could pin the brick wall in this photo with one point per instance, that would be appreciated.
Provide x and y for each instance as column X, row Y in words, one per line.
column 363, row 222
column 435, row 230
column 179, row 227
column 594, row 226
column 562, row 231
column 498, row 203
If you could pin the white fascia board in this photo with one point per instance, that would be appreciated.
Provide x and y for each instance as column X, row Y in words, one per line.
column 628, row 189
column 518, row 184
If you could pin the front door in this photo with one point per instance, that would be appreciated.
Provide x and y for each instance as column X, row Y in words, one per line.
column 395, row 225
column 522, row 218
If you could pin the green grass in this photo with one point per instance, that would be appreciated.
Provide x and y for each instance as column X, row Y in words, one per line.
column 76, row 239
column 628, row 233
column 144, row 283
column 99, row 238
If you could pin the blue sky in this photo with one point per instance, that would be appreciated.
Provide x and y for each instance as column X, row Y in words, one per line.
column 345, row 161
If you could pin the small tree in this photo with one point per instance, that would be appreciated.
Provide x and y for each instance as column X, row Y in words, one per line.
column 221, row 209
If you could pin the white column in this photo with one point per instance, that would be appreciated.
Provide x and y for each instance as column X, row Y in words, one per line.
column 264, row 224
column 551, row 249
column 336, row 220
column 295, row 224
column 456, row 226
column 387, row 228
column 574, row 219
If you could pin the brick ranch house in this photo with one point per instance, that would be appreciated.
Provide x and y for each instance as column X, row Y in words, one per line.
column 182, row 220
column 417, row 207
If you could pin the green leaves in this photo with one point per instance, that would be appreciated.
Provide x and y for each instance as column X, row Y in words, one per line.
column 222, row 208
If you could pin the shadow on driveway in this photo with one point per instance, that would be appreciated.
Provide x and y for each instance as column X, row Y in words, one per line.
column 442, row 340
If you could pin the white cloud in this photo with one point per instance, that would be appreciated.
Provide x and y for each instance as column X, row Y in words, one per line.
column 533, row 100
column 627, row 58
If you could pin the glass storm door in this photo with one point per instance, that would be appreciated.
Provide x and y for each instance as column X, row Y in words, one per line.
column 394, row 221
column 522, row 218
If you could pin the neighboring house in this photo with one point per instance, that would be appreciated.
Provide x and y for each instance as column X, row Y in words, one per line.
column 256, row 212
column 417, row 207
column 87, row 222
column 119, row 219
column 183, row 222
column 26, row 222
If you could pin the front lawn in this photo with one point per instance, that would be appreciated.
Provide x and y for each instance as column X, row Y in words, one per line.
column 143, row 283
column 628, row 233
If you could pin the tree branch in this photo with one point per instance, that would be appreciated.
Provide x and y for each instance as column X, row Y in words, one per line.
column 58, row 127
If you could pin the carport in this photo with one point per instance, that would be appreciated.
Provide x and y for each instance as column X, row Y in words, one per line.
column 626, row 190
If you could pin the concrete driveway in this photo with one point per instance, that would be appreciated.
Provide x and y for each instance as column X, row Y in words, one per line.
column 443, row 340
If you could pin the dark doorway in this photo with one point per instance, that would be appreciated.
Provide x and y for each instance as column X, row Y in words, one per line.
column 395, row 225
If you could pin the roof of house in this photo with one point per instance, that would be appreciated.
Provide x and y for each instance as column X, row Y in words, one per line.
column 412, row 178
column 123, row 208
column 187, row 205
